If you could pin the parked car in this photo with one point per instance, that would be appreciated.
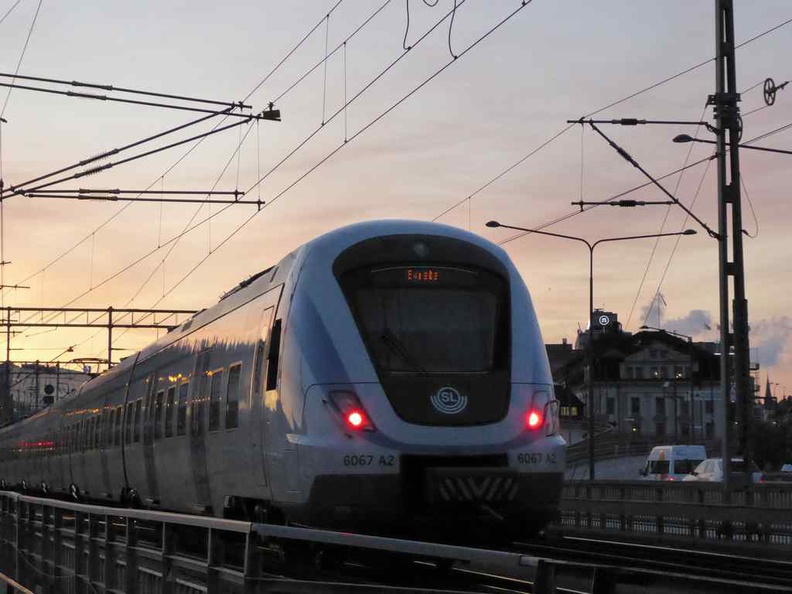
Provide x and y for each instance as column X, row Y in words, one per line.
column 711, row 470
column 672, row 462
column 786, row 468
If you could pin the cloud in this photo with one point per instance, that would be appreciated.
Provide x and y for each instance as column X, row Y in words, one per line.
column 769, row 338
column 697, row 321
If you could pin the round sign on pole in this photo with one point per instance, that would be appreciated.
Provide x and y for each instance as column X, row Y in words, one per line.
column 49, row 389
column 604, row 320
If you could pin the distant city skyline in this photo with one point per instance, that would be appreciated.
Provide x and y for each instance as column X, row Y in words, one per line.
column 475, row 136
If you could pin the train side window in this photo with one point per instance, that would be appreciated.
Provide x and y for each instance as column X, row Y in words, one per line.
column 273, row 356
column 97, row 431
column 110, row 425
column 200, row 393
column 181, row 420
column 130, row 407
column 137, row 419
column 117, row 429
column 169, row 405
column 214, row 399
column 232, row 397
column 158, row 414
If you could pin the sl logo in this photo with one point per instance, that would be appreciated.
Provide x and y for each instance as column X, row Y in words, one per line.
column 449, row 401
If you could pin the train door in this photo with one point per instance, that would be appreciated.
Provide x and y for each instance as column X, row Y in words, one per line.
column 149, row 414
column 260, row 415
column 198, row 405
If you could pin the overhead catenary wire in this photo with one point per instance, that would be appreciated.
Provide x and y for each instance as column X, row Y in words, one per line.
column 126, row 206
column 178, row 161
column 360, row 93
column 148, row 153
column 20, row 188
column 77, row 95
column 665, row 219
column 186, row 228
column 415, row 89
column 111, row 88
column 619, row 102
column 22, row 54
column 9, row 11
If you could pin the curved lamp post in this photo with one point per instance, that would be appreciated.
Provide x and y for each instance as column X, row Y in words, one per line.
column 589, row 349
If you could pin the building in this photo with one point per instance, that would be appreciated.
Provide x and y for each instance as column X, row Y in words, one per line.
column 654, row 383
column 32, row 386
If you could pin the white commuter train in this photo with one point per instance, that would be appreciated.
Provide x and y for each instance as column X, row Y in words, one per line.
column 386, row 374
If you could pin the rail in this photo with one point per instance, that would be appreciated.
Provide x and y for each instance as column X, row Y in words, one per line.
column 758, row 516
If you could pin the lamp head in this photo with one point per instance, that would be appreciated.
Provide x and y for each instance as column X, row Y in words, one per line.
column 493, row 224
column 689, row 232
column 684, row 138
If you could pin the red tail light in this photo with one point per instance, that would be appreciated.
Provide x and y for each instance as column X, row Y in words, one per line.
column 349, row 409
column 534, row 419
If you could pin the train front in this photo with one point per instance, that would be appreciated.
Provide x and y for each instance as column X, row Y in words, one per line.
column 428, row 399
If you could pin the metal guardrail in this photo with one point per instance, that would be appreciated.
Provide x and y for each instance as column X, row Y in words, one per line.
column 53, row 546
column 756, row 516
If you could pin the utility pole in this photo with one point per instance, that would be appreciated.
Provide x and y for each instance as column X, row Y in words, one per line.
column 728, row 128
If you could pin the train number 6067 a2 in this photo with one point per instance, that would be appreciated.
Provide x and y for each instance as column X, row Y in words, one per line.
column 535, row 458
column 358, row 460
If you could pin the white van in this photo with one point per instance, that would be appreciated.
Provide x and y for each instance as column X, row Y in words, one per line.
column 672, row 462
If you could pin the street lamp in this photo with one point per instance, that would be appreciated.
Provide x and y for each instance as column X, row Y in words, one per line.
column 589, row 350
column 688, row 138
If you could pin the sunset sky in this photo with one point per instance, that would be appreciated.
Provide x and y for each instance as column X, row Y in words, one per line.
column 421, row 132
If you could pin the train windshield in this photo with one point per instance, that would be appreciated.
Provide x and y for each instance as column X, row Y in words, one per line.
column 429, row 320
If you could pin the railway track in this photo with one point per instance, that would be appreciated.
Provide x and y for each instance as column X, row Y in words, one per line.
column 760, row 574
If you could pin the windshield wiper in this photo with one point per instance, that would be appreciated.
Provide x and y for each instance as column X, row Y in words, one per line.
column 396, row 346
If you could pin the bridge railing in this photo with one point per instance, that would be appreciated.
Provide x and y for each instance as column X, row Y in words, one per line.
column 54, row 546
column 754, row 516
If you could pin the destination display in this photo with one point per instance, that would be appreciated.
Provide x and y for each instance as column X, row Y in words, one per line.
column 424, row 276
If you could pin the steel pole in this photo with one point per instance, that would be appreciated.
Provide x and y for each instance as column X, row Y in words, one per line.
column 728, row 122
column 590, row 350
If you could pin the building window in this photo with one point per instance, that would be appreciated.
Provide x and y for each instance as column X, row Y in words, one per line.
column 660, row 429
column 685, row 407
column 709, row 407
column 654, row 372
column 709, row 428
column 610, row 405
column 639, row 373
column 679, row 371
column 660, row 406
column 635, row 406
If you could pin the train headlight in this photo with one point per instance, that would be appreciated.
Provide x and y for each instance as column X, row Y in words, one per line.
column 350, row 411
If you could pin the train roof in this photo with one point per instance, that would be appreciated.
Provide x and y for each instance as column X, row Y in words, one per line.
column 327, row 245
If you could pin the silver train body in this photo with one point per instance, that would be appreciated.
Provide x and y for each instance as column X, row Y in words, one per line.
column 383, row 373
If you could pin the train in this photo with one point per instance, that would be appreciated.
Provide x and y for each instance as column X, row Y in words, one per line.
column 385, row 375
